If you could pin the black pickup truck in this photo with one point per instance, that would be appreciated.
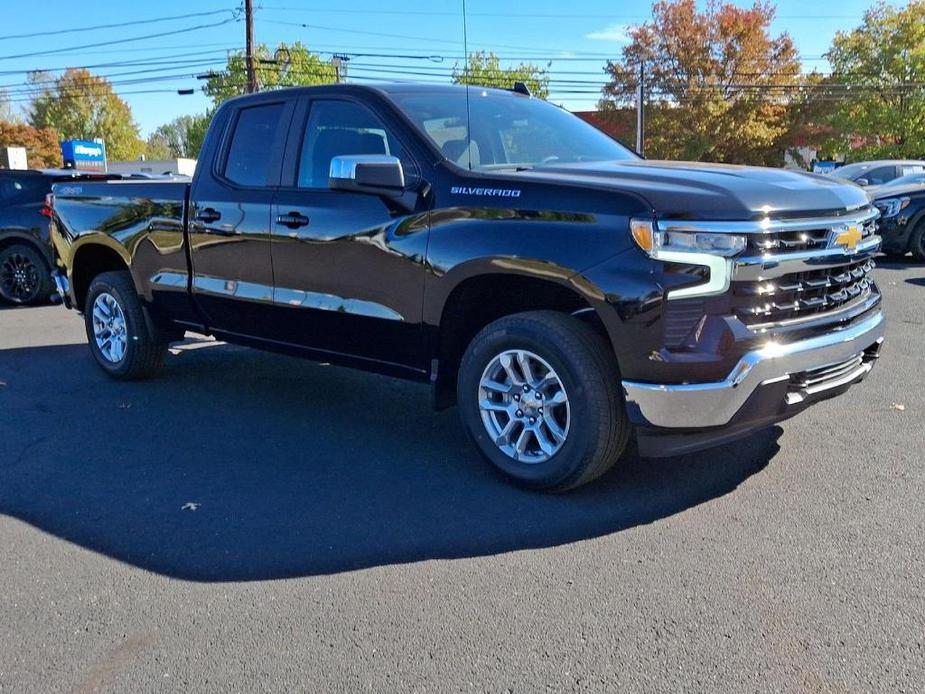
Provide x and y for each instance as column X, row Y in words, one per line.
column 564, row 292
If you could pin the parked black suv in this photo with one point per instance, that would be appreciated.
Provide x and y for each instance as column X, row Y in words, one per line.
column 25, row 252
column 902, row 216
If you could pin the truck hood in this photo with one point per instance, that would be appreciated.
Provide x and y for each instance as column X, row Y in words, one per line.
column 691, row 190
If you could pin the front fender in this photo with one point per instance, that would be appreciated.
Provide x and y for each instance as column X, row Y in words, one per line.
column 553, row 246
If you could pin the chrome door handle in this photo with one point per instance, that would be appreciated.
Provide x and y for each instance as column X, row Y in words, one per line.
column 293, row 220
column 208, row 215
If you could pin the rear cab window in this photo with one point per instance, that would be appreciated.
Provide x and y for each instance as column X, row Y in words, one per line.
column 250, row 152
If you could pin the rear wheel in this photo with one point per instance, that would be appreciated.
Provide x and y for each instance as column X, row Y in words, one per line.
column 24, row 276
column 121, row 340
column 539, row 395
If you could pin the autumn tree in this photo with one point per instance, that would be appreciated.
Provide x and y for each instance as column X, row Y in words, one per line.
column 717, row 82
column 287, row 66
column 181, row 137
column 485, row 70
column 83, row 106
column 881, row 67
column 43, row 149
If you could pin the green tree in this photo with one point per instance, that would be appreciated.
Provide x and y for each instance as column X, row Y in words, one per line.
column 181, row 137
column 80, row 105
column 716, row 81
column 484, row 69
column 43, row 149
column 287, row 66
column 884, row 61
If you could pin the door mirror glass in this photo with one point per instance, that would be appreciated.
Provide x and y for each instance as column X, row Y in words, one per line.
column 376, row 174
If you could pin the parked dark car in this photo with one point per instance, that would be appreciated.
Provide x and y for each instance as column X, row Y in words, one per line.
column 902, row 216
column 25, row 251
column 875, row 173
column 567, row 294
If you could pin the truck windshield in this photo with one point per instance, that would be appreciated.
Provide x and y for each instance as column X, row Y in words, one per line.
column 508, row 131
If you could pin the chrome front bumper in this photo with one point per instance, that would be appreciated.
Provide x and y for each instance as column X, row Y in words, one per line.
column 714, row 404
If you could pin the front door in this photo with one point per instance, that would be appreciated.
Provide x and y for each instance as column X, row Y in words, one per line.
column 348, row 267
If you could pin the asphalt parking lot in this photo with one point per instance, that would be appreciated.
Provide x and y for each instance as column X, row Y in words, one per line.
column 250, row 522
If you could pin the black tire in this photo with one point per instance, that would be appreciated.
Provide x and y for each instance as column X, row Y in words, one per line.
column 144, row 347
column 917, row 241
column 597, row 429
column 24, row 275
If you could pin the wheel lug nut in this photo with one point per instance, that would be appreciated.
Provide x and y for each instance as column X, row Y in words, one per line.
column 517, row 396
column 532, row 420
column 520, row 413
column 526, row 388
column 540, row 410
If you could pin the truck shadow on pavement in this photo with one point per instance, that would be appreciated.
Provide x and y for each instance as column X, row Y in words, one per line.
column 236, row 465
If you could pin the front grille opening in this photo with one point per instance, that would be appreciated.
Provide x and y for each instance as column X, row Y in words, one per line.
column 761, row 304
column 806, row 383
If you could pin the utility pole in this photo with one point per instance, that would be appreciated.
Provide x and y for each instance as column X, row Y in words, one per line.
column 251, row 70
column 640, row 108
column 339, row 61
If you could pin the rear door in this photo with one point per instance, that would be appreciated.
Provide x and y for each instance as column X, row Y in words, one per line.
column 348, row 266
column 229, row 219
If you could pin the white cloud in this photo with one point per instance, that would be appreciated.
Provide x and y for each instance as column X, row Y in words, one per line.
column 614, row 32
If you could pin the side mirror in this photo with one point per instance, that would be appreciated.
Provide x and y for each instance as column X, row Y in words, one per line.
column 862, row 182
column 374, row 174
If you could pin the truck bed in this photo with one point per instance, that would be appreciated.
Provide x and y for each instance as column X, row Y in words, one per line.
column 144, row 222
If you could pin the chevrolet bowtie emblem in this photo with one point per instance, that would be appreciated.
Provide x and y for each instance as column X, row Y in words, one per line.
column 848, row 237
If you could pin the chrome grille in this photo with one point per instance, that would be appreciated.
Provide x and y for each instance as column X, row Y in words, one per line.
column 798, row 240
column 802, row 294
column 793, row 270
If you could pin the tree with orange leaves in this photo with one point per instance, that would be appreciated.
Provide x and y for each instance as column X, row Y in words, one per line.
column 718, row 84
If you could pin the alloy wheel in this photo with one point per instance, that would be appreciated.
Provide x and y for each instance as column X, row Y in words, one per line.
column 109, row 328
column 524, row 406
column 19, row 278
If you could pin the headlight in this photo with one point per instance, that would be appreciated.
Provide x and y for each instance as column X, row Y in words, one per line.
column 711, row 250
column 890, row 207
column 656, row 243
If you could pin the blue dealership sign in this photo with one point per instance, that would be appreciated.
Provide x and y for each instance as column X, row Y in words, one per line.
column 84, row 155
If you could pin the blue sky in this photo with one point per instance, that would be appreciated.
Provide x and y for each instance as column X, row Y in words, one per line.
column 427, row 35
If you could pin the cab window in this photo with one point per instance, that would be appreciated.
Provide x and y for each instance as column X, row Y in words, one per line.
column 250, row 150
column 337, row 128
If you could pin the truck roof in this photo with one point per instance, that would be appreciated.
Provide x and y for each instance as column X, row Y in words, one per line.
column 382, row 88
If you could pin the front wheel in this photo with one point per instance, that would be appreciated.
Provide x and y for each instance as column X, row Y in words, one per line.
column 539, row 394
column 121, row 340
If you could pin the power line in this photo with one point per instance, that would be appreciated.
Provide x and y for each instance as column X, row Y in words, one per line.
column 541, row 15
column 118, row 25
column 118, row 41
column 155, row 60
